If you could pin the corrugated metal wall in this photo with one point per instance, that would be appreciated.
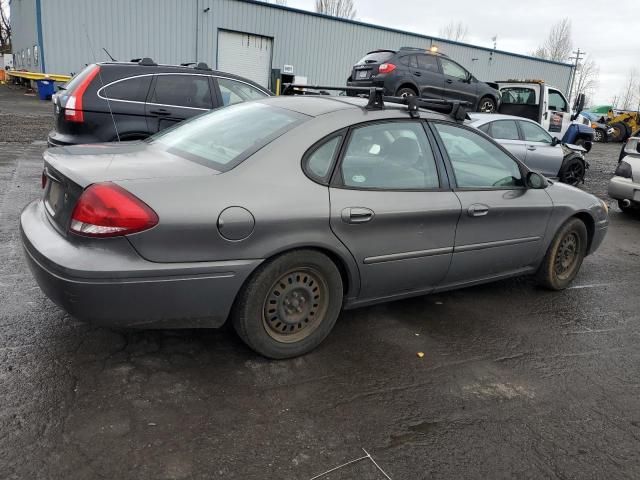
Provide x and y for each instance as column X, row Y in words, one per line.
column 76, row 31
column 24, row 33
column 320, row 48
column 323, row 49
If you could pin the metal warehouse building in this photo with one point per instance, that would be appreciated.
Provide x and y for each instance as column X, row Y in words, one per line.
column 245, row 37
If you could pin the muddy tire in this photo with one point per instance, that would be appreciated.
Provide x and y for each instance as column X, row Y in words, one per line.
column 487, row 105
column 620, row 132
column 564, row 257
column 406, row 92
column 289, row 305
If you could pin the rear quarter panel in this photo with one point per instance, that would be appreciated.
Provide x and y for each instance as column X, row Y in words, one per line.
column 570, row 202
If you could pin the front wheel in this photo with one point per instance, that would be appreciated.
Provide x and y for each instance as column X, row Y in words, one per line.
column 564, row 256
column 599, row 135
column 487, row 105
column 572, row 171
column 289, row 305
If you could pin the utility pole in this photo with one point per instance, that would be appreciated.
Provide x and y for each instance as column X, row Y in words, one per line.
column 578, row 56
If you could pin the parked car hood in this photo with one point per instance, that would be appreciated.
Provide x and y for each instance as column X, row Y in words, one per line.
column 87, row 164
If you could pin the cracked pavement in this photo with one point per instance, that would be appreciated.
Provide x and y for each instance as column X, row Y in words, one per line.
column 516, row 382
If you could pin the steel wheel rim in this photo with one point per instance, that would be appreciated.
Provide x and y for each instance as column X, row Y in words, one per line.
column 296, row 305
column 487, row 107
column 567, row 255
column 407, row 94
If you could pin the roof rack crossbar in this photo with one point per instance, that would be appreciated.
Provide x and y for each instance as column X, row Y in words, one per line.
column 455, row 108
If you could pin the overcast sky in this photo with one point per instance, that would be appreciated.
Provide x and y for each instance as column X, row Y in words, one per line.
column 521, row 27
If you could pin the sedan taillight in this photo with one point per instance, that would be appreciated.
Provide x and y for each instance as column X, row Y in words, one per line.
column 107, row 210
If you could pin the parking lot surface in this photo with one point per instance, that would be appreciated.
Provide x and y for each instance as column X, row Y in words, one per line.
column 515, row 382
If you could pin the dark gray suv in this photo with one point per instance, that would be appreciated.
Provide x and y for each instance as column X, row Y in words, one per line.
column 415, row 71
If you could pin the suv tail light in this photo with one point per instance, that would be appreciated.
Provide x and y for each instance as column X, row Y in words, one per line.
column 386, row 68
column 107, row 210
column 73, row 108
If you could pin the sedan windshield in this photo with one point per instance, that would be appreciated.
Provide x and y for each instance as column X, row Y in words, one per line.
column 223, row 138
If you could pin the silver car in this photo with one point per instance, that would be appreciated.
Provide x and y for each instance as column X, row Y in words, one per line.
column 532, row 144
column 279, row 213
column 625, row 185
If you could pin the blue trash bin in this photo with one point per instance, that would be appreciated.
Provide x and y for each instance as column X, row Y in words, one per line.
column 46, row 88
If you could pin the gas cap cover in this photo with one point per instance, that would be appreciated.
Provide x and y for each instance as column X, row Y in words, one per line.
column 235, row 223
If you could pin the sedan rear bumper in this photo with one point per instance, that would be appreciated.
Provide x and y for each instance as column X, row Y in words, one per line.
column 621, row 188
column 108, row 283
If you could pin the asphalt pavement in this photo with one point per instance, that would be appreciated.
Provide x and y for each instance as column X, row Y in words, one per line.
column 515, row 382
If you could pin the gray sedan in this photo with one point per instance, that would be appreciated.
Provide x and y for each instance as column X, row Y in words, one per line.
column 278, row 213
column 532, row 144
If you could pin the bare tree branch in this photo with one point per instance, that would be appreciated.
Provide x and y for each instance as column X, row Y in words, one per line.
column 627, row 98
column 456, row 31
column 5, row 27
column 587, row 77
column 337, row 8
column 558, row 44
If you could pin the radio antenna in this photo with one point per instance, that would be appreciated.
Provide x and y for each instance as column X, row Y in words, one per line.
column 106, row 95
column 109, row 55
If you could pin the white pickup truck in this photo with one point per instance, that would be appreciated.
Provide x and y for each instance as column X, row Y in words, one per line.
column 549, row 107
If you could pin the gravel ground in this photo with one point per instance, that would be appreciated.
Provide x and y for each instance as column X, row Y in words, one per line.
column 515, row 382
column 23, row 118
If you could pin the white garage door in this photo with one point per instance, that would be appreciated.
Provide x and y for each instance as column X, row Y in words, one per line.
column 245, row 55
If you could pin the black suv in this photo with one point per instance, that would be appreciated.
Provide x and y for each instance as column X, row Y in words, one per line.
column 413, row 71
column 131, row 100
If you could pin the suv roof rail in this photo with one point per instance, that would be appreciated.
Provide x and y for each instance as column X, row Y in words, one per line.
column 187, row 64
column 145, row 61
column 433, row 50
column 454, row 108
column 202, row 66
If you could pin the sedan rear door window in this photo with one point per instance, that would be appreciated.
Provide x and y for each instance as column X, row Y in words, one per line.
column 182, row 91
column 505, row 130
column 477, row 162
column 390, row 156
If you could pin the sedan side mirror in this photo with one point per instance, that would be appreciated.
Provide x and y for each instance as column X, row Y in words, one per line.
column 536, row 181
column 555, row 141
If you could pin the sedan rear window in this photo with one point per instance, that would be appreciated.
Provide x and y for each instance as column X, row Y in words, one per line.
column 375, row 57
column 224, row 138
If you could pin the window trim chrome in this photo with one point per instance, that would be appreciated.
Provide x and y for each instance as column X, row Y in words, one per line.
column 99, row 92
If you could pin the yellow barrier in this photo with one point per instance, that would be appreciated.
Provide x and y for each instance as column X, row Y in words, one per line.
column 39, row 76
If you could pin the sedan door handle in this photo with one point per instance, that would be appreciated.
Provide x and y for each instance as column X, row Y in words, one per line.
column 417, row 74
column 160, row 111
column 478, row 210
column 357, row 215
column 449, row 80
column 531, row 148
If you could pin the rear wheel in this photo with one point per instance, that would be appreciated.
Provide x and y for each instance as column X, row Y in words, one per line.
column 599, row 135
column 289, row 305
column 564, row 257
column 572, row 171
column 487, row 105
column 406, row 92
